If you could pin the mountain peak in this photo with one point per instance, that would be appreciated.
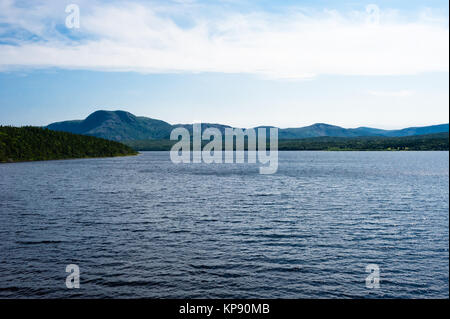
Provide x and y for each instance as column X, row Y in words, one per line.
column 322, row 125
column 116, row 125
column 102, row 115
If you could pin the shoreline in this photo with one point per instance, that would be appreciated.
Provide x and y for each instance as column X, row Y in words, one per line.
column 67, row 159
column 139, row 152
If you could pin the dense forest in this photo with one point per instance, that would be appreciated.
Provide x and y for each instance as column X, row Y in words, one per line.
column 428, row 142
column 35, row 144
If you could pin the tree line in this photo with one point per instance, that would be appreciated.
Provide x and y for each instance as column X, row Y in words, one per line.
column 429, row 142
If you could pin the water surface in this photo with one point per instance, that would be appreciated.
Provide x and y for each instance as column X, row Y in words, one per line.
column 145, row 227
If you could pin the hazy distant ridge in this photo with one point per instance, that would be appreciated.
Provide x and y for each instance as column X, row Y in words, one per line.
column 124, row 126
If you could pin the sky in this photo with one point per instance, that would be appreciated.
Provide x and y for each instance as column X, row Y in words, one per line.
column 243, row 63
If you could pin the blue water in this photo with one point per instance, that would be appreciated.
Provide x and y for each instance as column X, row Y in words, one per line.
column 145, row 227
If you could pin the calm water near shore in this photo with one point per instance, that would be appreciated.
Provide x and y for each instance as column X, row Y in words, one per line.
column 144, row 227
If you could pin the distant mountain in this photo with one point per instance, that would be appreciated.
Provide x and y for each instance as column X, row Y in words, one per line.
column 410, row 131
column 316, row 130
column 117, row 126
column 321, row 129
column 124, row 126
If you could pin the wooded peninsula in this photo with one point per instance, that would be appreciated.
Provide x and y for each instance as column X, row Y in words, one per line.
column 29, row 143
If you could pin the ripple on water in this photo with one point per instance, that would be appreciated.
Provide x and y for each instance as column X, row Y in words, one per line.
column 144, row 227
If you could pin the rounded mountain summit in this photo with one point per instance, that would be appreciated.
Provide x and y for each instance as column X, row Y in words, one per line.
column 117, row 126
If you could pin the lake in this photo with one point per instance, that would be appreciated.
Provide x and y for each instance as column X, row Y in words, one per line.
column 144, row 227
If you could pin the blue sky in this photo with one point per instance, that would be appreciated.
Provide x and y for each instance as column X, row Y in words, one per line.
column 244, row 63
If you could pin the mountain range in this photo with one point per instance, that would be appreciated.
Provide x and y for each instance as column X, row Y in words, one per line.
column 124, row 126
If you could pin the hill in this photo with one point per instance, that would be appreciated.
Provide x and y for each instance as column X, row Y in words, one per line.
column 116, row 126
column 36, row 144
column 322, row 129
column 124, row 126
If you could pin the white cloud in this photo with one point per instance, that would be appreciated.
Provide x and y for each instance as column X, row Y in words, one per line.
column 400, row 93
column 138, row 37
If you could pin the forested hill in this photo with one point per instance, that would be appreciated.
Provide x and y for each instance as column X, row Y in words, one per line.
column 36, row 144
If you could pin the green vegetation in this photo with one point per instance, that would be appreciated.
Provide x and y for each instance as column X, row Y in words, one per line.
column 36, row 144
column 428, row 142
